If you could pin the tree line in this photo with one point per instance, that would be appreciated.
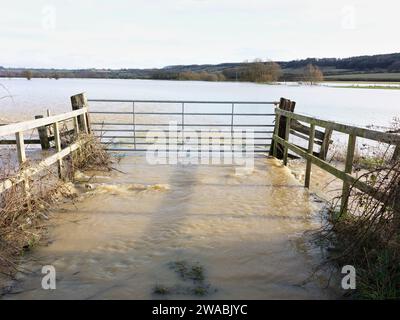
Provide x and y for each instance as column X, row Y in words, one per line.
column 380, row 62
column 258, row 71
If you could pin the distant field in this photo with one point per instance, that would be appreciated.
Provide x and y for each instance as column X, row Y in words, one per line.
column 395, row 77
column 327, row 70
column 369, row 87
column 333, row 74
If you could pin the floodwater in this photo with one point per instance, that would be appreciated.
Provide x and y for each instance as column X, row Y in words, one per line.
column 349, row 105
column 243, row 228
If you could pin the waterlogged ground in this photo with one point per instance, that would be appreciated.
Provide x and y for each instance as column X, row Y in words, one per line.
column 174, row 231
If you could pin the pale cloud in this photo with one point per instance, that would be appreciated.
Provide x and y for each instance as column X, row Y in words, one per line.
column 115, row 34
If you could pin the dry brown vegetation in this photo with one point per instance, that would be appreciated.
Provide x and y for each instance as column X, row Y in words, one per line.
column 23, row 214
column 367, row 235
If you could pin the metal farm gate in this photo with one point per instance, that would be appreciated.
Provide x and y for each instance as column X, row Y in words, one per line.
column 124, row 125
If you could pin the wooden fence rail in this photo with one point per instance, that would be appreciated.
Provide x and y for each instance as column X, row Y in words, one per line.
column 78, row 116
column 45, row 146
column 320, row 138
column 352, row 132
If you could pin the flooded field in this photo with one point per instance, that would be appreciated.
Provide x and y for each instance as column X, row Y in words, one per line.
column 349, row 105
column 174, row 231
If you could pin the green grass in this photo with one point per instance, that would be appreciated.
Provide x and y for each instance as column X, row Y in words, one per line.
column 200, row 291
column 370, row 163
column 355, row 82
column 191, row 278
column 188, row 272
column 380, row 279
column 379, row 76
column 31, row 244
column 161, row 290
column 380, row 87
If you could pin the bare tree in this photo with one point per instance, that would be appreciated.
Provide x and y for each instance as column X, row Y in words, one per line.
column 312, row 74
column 259, row 71
column 27, row 74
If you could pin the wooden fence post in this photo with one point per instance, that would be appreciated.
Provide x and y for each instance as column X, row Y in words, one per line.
column 311, row 152
column 76, row 126
column 287, row 105
column 79, row 101
column 276, row 131
column 287, row 133
column 86, row 123
column 49, row 127
column 19, row 137
column 43, row 135
column 348, row 169
column 325, row 144
column 57, row 142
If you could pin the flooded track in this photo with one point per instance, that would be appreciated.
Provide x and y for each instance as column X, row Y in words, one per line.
column 184, row 232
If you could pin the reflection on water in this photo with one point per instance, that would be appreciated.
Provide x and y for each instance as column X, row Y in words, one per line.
column 244, row 228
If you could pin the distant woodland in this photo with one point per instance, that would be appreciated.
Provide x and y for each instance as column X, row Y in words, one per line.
column 385, row 67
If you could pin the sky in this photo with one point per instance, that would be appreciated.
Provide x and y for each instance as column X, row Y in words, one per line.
column 154, row 33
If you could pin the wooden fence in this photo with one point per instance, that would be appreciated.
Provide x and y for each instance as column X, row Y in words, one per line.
column 80, row 119
column 289, row 118
column 321, row 138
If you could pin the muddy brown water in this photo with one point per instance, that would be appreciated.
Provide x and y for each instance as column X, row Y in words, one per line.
column 245, row 229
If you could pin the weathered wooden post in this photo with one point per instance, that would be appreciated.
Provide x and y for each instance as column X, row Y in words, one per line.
column 79, row 101
column 49, row 127
column 19, row 137
column 286, row 148
column 310, row 152
column 274, row 148
column 43, row 135
column 325, row 144
column 86, row 125
column 286, row 105
column 57, row 142
column 76, row 126
column 348, row 169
